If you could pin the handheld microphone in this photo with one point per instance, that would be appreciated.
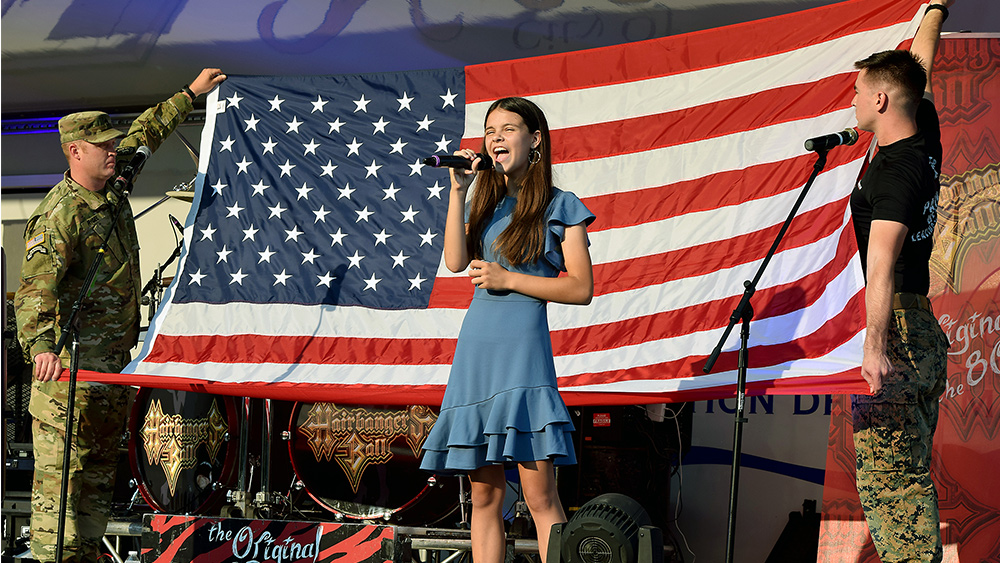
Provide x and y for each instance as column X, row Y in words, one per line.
column 177, row 224
column 452, row 161
column 133, row 167
column 848, row 136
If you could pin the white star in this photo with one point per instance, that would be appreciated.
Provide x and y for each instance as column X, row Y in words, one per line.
column 427, row 238
column 234, row 101
column 227, row 145
column 355, row 260
column 372, row 169
column 338, row 237
column 309, row 256
column 319, row 103
column 362, row 104
column 371, row 282
column 328, row 168
column 218, row 186
column 381, row 238
column 250, row 233
column 325, row 280
column 237, row 277
column 280, row 278
column 346, row 191
column 311, row 147
column 435, row 190
column 398, row 146
column 390, row 192
column 196, row 277
column 276, row 103
column 398, row 259
column 364, row 214
column 286, row 168
column 258, row 188
column 293, row 125
column 409, row 214
column 223, row 255
column 251, row 123
column 442, row 145
column 268, row 146
column 449, row 99
column 425, row 125
column 277, row 210
column 335, row 125
column 294, row 234
column 266, row 254
column 207, row 232
column 416, row 168
column 320, row 214
column 234, row 210
column 243, row 165
column 415, row 282
column 379, row 125
column 404, row 102
column 353, row 147
column 303, row 191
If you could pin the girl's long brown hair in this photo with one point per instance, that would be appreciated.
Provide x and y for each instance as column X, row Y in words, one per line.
column 523, row 241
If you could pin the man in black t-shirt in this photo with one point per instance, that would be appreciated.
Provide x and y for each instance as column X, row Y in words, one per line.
column 894, row 208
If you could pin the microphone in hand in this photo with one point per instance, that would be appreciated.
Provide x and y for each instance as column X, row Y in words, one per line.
column 452, row 161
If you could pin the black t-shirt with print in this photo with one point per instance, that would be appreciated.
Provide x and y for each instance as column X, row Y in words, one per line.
column 901, row 184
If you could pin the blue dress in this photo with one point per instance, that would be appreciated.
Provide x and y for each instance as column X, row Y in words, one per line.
column 502, row 404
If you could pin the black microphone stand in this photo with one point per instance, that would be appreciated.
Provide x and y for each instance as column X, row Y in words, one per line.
column 153, row 286
column 744, row 313
column 71, row 329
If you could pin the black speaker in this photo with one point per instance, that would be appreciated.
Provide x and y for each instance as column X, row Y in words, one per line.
column 629, row 450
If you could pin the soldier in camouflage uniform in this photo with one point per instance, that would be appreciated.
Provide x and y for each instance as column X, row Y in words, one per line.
column 894, row 207
column 62, row 239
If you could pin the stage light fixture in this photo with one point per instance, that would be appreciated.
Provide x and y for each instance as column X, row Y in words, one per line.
column 610, row 528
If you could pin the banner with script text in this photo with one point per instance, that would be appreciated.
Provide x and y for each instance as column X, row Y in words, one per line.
column 312, row 262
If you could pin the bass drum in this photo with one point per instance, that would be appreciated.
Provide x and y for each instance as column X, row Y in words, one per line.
column 183, row 449
column 362, row 463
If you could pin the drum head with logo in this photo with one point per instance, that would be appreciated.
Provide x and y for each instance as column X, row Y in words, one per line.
column 180, row 449
column 362, row 462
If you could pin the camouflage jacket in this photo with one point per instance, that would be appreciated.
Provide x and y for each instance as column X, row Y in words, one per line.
column 62, row 239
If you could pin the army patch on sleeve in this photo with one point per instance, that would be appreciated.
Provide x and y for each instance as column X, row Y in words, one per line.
column 35, row 246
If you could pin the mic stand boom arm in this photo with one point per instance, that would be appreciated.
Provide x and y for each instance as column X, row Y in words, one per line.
column 71, row 326
column 744, row 313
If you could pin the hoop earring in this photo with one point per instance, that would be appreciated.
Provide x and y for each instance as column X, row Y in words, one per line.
column 534, row 155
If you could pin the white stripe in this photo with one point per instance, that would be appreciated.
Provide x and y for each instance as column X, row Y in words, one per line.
column 844, row 357
column 705, row 86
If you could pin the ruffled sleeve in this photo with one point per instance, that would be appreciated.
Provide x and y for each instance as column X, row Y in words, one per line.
column 565, row 210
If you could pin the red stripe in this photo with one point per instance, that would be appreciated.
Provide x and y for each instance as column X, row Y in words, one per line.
column 671, row 55
column 721, row 189
column 707, row 121
column 832, row 334
column 624, row 275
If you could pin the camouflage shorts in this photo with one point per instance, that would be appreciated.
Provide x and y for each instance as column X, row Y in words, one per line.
column 893, row 434
column 99, row 417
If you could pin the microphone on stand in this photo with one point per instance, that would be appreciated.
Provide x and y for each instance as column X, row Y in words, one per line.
column 133, row 167
column 177, row 224
column 452, row 161
column 848, row 136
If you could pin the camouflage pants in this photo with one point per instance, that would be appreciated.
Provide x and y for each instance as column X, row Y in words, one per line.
column 893, row 433
column 99, row 418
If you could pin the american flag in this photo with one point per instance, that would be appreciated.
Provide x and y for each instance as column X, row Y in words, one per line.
column 312, row 265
